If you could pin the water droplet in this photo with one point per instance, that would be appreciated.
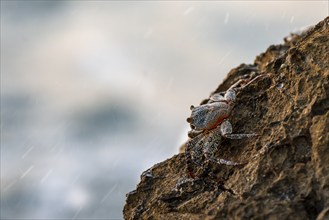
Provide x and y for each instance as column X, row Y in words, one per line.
column 283, row 65
column 279, row 86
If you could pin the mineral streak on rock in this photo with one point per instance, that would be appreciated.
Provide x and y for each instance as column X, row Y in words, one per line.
column 287, row 170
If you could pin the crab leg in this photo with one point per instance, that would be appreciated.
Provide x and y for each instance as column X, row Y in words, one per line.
column 253, row 80
column 191, row 152
column 230, row 94
column 226, row 131
column 210, row 148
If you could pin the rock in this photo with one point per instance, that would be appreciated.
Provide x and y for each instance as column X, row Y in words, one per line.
column 286, row 175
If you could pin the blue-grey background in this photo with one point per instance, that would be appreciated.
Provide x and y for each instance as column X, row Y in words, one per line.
column 95, row 92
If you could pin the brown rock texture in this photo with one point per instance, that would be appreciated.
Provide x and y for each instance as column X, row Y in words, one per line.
column 286, row 175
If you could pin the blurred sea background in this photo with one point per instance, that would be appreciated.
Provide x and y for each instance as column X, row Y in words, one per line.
column 95, row 92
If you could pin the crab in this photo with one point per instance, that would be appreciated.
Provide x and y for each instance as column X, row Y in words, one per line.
column 210, row 123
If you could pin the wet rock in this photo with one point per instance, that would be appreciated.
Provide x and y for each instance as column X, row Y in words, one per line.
column 286, row 175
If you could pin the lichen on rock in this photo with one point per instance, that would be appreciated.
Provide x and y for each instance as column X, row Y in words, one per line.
column 286, row 175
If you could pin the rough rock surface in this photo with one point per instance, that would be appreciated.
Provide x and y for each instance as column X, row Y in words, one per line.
column 287, row 171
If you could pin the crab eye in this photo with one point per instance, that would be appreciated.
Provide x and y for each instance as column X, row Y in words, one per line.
column 192, row 126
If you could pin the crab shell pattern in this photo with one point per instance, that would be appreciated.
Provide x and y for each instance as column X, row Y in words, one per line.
column 209, row 116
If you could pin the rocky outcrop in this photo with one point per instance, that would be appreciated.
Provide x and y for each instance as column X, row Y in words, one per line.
column 286, row 175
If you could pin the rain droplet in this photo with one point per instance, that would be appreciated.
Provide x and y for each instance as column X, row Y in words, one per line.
column 187, row 11
column 27, row 171
column 45, row 177
column 27, row 152
column 227, row 16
